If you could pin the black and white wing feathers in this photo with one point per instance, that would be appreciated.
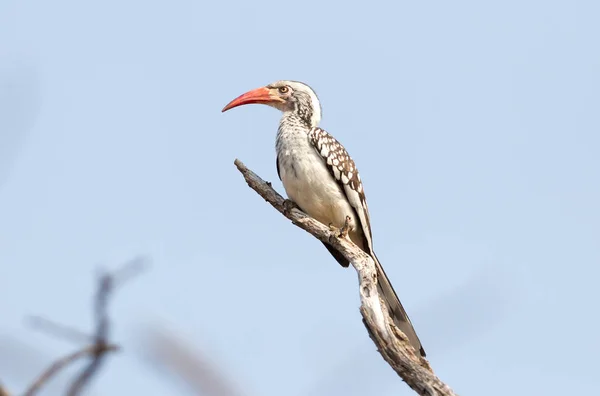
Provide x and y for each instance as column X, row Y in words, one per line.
column 344, row 171
column 342, row 168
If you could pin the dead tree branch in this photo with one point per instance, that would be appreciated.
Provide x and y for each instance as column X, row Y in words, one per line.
column 63, row 362
column 390, row 341
column 100, row 345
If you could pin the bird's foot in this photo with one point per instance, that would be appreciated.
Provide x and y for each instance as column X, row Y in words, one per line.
column 288, row 205
column 341, row 232
column 346, row 228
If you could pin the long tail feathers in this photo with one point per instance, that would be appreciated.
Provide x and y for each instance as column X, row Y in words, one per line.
column 396, row 309
column 388, row 294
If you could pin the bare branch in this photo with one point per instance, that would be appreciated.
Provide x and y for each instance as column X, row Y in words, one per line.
column 390, row 341
column 107, row 283
column 64, row 362
column 59, row 330
column 100, row 345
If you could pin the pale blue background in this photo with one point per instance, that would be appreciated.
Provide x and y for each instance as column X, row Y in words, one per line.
column 475, row 126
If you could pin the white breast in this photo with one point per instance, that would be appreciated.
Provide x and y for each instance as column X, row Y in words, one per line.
column 307, row 180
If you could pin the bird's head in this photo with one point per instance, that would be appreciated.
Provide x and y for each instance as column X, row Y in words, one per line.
column 288, row 96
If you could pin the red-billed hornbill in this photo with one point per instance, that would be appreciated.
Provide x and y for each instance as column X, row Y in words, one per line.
column 321, row 178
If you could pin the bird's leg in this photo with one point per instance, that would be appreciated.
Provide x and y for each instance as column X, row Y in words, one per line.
column 341, row 232
column 346, row 228
column 288, row 205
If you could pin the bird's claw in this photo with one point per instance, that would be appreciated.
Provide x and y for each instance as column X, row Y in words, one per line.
column 341, row 232
column 288, row 205
column 346, row 228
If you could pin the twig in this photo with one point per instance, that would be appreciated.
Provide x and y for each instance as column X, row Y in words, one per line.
column 107, row 283
column 97, row 354
column 62, row 363
column 100, row 341
column 59, row 330
column 390, row 341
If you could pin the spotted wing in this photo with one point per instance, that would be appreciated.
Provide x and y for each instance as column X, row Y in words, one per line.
column 342, row 168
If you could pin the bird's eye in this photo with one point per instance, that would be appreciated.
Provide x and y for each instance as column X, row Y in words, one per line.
column 283, row 89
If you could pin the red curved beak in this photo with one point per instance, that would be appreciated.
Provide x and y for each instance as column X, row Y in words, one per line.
column 260, row 95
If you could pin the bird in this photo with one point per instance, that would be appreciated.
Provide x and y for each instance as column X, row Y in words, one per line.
column 321, row 178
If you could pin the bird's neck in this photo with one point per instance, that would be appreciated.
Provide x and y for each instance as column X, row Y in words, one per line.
column 293, row 120
column 292, row 135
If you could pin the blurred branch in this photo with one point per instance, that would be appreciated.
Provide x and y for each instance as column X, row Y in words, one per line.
column 59, row 330
column 63, row 362
column 192, row 367
column 390, row 341
column 100, row 345
column 3, row 391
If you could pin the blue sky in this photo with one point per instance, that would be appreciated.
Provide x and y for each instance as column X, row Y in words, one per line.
column 475, row 129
